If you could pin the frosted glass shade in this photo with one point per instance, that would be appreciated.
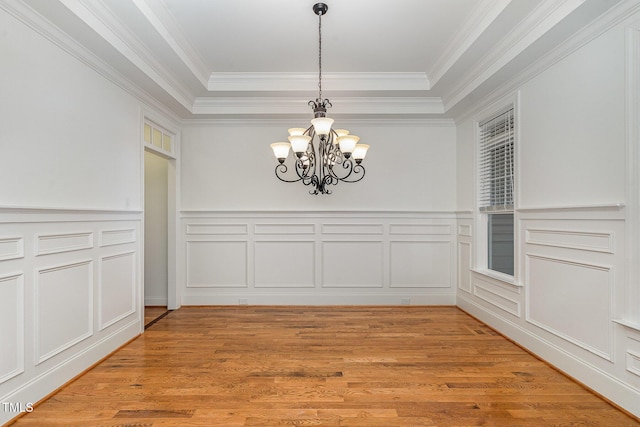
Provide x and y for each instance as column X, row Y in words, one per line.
column 322, row 125
column 360, row 151
column 299, row 143
column 280, row 149
column 348, row 143
column 296, row 131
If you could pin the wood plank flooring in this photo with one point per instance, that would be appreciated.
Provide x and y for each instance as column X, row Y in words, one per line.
column 324, row 366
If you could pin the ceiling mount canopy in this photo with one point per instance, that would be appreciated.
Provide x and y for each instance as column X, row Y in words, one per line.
column 322, row 156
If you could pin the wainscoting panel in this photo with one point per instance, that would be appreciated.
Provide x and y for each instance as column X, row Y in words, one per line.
column 318, row 257
column 56, row 243
column 464, row 266
column 588, row 294
column 11, row 248
column 285, row 264
column 66, row 300
column 352, row 264
column 11, row 326
column 214, row 264
column 117, row 237
column 117, row 288
column 421, row 264
column 69, row 286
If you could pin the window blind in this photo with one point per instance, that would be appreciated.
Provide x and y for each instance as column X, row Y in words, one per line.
column 496, row 163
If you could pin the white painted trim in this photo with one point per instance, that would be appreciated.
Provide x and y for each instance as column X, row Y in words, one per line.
column 368, row 296
column 298, row 106
column 593, row 377
column 59, row 374
column 278, row 82
column 483, row 15
column 20, row 304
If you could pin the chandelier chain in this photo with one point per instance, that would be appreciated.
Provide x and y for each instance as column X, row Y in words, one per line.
column 320, row 55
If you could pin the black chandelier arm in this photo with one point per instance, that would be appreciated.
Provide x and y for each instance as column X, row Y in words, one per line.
column 281, row 170
column 355, row 172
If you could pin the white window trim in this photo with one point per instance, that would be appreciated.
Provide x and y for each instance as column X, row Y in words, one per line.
column 480, row 239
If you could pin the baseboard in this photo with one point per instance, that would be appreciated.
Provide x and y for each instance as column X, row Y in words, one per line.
column 57, row 376
column 323, row 299
column 600, row 382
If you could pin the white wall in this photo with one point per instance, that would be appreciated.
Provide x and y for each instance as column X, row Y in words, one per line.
column 568, row 300
column 230, row 166
column 69, row 217
column 249, row 238
column 155, row 230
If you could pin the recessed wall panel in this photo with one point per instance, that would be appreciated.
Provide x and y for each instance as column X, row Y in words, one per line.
column 572, row 300
column 420, row 264
column 285, row 264
column 56, row 243
column 352, row 264
column 464, row 266
column 216, row 264
column 117, row 237
column 11, row 326
column 64, row 307
column 117, row 288
column 11, row 248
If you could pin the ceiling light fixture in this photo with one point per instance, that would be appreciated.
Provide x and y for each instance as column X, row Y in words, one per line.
column 336, row 157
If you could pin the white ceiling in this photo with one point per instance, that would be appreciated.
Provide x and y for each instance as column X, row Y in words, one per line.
column 259, row 58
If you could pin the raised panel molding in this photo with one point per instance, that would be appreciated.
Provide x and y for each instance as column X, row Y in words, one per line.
column 352, row 264
column 580, row 240
column 284, row 229
column 420, row 229
column 217, row 264
column 56, row 243
column 117, row 237
column 285, row 264
column 290, row 257
column 464, row 266
column 496, row 294
column 554, row 283
column 117, row 288
column 352, row 229
column 11, row 248
column 12, row 326
column 633, row 362
column 464, row 230
column 217, row 229
column 420, row 264
column 64, row 307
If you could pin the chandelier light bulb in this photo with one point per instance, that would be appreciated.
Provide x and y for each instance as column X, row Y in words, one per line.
column 280, row 150
column 299, row 143
column 322, row 125
column 296, row 131
column 348, row 144
column 360, row 152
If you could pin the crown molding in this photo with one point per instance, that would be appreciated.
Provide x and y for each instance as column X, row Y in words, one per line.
column 99, row 18
column 286, row 122
column 545, row 16
column 296, row 105
column 53, row 34
column 161, row 20
column 612, row 17
column 485, row 12
column 278, row 82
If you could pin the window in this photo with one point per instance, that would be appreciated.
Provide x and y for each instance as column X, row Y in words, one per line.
column 496, row 174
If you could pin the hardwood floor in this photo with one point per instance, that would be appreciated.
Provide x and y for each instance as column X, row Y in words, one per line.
column 326, row 366
column 153, row 313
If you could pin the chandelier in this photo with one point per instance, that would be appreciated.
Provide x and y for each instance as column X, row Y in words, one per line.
column 323, row 156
